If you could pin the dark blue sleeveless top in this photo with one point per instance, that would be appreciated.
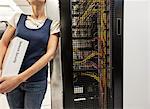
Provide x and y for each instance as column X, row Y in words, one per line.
column 38, row 41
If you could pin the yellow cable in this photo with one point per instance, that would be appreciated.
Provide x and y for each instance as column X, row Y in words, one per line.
column 87, row 58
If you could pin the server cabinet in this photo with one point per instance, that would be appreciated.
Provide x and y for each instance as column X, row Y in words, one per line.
column 92, row 53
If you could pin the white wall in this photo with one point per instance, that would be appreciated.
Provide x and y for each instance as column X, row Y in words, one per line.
column 136, row 69
column 149, row 52
column 52, row 8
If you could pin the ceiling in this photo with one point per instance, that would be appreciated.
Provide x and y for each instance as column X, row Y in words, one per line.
column 17, row 2
column 9, row 7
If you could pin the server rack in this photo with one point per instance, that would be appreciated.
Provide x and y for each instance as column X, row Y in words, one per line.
column 92, row 55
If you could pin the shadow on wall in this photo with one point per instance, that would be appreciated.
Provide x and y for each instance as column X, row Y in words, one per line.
column 3, row 26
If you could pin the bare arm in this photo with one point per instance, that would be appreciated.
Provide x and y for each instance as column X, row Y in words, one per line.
column 8, row 34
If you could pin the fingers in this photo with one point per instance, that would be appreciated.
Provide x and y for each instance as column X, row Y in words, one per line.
column 0, row 72
column 2, row 79
column 3, row 88
column 8, row 84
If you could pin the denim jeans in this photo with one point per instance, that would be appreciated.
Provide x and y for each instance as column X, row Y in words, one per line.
column 29, row 95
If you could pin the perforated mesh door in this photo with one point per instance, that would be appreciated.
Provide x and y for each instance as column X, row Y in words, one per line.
column 91, row 54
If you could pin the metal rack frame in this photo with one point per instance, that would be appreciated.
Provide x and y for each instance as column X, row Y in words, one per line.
column 117, row 54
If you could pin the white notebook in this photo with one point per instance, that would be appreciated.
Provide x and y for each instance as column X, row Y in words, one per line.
column 14, row 56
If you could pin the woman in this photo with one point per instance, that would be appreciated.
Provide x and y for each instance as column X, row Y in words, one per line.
column 27, row 89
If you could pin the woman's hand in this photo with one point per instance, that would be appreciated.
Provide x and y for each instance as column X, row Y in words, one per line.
column 9, row 83
column 0, row 72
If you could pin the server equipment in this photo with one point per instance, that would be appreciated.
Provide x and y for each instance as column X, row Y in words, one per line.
column 92, row 54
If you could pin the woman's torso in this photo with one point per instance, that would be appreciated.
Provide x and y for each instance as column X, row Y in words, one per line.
column 38, row 40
